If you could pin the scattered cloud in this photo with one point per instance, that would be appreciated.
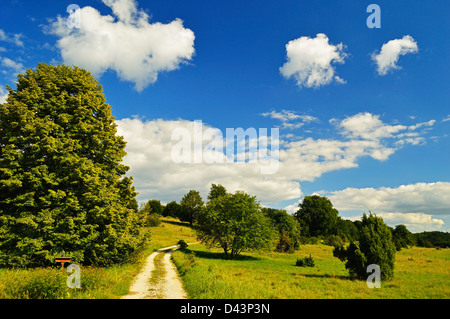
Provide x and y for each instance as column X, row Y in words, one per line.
column 429, row 198
column 290, row 119
column 369, row 127
column 13, row 38
column 413, row 205
column 17, row 67
column 446, row 119
column 3, row 95
column 310, row 61
column 156, row 175
column 149, row 147
column 415, row 222
column 125, row 42
column 390, row 52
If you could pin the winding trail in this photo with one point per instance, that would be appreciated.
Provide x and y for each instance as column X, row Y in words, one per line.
column 170, row 287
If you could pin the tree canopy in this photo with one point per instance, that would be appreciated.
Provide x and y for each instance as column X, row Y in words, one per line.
column 288, row 229
column 62, row 181
column 317, row 216
column 235, row 223
column 190, row 206
column 216, row 190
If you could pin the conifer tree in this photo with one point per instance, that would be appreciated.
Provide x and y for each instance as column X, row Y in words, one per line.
column 375, row 246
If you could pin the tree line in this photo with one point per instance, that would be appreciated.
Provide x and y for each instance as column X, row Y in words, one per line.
column 237, row 222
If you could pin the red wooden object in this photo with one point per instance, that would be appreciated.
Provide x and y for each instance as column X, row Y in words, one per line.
column 62, row 260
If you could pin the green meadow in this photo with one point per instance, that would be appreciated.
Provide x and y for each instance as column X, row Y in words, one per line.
column 419, row 273
column 96, row 282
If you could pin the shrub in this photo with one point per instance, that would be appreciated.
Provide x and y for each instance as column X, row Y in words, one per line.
column 333, row 240
column 284, row 244
column 234, row 222
column 309, row 240
column 153, row 220
column 375, row 247
column 305, row 262
column 183, row 245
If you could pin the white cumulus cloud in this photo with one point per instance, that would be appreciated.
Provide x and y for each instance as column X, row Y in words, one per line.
column 3, row 95
column 413, row 205
column 156, row 175
column 431, row 198
column 14, row 38
column 390, row 52
column 311, row 61
column 17, row 67
column 369, row 127
column 290, row 119
column 125, row 42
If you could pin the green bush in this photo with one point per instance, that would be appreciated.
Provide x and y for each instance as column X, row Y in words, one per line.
column 305, row 262
column 333, row 240
column 375, row 247
column 153, row 220
column 309, row 240
column 183, row 245
column 285, row 244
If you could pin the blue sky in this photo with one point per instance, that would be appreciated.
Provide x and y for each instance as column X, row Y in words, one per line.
column 366, row 139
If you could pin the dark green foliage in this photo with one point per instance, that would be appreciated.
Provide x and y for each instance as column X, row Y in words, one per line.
column 305, row 262
column 288, row 229
column 333, row 240
column 317, row 216
column 190, row 206
column 183, row 245
column 432, row 238
column 62, row 184
column 309, row 240
column 216, row 191
column 172, row 209
column 285, row 244
column 375, row 247
column 153, row 220
column 402, row 237
column 235, row 223
column 346, row 230
column 153, row 206
column 356, row 261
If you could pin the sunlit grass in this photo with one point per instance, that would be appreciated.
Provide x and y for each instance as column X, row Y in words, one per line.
column 96, row 282
column 258, row 275
column 419, row 273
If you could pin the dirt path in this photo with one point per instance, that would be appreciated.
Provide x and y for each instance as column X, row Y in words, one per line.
column 168, row 287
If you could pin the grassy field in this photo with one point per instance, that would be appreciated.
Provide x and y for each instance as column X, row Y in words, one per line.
column 419, row 273
column 96, row 283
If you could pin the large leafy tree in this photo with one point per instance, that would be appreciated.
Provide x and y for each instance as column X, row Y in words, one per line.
column 288, row 228
column 234, row 222
column 171, row 209
column 153, row 206
column 402, row 237
column 190, row 206
column 317, row 216
column 62, row 183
